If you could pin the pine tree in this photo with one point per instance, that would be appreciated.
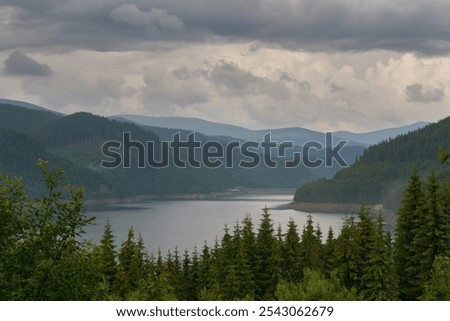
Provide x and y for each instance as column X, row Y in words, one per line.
column 427, row 233
column 407, row 257
column 234, row 268
column 224, row 257
column 249, row 246
column 365, row 236
column 432, row 235
column 142, row 259
column 185, row 272
column 194, row 277
column 157, row 284
column 346, row 254
column 159, row 266
column 241, row 267
column 379, row 280
column 443, row 221
column 205, row 264
column 311, row 247
column 328, row 251
column 107, row 255
column 266, row 272
column 319, row 233
column 174, row 276
column 438, row 287
column 291, row 254
column 131, row 266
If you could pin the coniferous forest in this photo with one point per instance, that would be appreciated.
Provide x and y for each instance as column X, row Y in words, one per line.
column 380, row 173
column 43, row 255
column 74, row 142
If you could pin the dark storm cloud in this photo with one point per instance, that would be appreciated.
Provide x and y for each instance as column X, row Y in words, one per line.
column 416, row 93
column 20, row 64
column 335, row 25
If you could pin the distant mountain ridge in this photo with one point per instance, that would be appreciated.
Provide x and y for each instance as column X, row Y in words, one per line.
column 297, row 135
column 374, row 137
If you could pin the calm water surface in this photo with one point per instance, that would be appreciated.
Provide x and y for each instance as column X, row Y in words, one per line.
column 167, row 224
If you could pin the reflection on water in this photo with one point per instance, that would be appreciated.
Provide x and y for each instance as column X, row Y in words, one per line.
column 167, row 224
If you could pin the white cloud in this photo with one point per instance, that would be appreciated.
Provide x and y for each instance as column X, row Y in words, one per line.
column 269, row 87
column 163, row 91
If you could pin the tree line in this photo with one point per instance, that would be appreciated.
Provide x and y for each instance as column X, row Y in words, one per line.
column 43, row 255
column 376, row 175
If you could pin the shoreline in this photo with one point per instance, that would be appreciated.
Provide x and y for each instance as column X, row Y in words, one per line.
column 331, row 208
column 235, row 192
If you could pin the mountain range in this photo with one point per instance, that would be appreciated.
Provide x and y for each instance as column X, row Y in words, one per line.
column 296, row 135
column 166, row 127
column 29, row 132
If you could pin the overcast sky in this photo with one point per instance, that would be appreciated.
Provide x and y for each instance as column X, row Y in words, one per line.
column 355, row 65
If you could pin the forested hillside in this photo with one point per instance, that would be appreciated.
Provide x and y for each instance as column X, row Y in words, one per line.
column 20, row 153
column 75, row 141
column 380, row 174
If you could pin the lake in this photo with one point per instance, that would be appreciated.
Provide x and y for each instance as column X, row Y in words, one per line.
column 167, row 224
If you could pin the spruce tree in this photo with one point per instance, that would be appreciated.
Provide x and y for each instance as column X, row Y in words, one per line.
column 204, row 272
column 346, row 254
column 379, row 280
column 266, row 272
column 292, row 255
column 194, row 276
column 225, row 255
column 328, row 252
column 130, row 267
column 365, row 236
column 432, row 236
column 249, row 246
column 107, row 255
column 159, row 266
column 185, row 272
column 175, row 279
column 427, row 233
column 311, row 247
column 443, row 221
column 236, row 279
column 438, row 287
column 407, row 257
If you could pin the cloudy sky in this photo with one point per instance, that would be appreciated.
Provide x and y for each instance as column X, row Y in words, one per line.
column 355, row 65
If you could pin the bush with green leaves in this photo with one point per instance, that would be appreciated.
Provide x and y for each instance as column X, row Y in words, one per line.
column 42, row 252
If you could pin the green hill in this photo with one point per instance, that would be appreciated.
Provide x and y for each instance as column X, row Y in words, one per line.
column 379, row 175
column 19, row 156
column 74, row 142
